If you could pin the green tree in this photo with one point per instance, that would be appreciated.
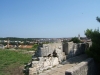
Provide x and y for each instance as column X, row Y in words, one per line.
column 98, row 19
column 94, row 35
column 94, row 50
column 75, row 40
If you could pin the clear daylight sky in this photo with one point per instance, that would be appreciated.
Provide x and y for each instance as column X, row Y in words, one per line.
column 47, row 18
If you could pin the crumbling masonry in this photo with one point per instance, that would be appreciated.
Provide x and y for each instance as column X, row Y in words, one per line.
column 52, row 54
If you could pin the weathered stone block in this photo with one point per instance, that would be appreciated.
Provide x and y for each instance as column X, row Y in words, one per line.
column 32, row 71
column 55, row 61
column 84, row 68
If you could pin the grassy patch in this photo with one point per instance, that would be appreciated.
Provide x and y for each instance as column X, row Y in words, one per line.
column 12, row 62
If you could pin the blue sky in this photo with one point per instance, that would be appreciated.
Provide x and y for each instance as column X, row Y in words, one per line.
column 47, row 18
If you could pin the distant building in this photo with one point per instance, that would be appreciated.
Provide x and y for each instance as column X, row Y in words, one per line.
column 2, row 46
column 79, row 36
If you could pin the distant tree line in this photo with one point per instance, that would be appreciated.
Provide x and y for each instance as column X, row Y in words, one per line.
column 15, row 41
column 18, row 39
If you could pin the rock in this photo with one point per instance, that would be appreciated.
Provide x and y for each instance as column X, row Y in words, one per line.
column 32, row 71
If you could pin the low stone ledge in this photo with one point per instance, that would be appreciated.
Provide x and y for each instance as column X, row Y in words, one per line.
column 86, row 67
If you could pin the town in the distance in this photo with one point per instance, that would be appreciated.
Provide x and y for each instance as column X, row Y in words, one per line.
column 27, row 43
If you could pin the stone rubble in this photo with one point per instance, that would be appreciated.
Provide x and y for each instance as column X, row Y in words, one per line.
column 53, row 54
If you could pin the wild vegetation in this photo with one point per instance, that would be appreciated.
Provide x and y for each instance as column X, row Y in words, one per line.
column 94, row 35
column 75, row 40
column 12, row 62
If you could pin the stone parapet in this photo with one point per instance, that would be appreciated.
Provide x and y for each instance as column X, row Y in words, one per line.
column 86, row 67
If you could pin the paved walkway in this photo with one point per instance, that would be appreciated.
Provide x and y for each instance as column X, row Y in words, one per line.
column 61, row 68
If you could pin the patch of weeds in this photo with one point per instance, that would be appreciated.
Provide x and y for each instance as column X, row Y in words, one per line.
column 12, row 62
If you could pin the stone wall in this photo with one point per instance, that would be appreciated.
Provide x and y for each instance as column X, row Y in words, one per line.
column 72, row 49
column 43, row 64
column 49, row 49
column 69, row 49
column 86, row 67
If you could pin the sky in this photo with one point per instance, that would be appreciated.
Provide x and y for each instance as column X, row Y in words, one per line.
column 48, row 18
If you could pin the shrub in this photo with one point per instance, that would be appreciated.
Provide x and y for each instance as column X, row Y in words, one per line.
column 75, row 40
column 94, row 50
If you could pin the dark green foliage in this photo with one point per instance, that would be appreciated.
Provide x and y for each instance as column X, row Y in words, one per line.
column 75, row 40
column 4, row 43
column 88, row 33
column 18, row 39
column 94, row 50
column 98, row 19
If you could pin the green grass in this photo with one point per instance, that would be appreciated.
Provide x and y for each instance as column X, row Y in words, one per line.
column 12, row 62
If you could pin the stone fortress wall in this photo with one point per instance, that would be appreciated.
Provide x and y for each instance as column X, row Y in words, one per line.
column 43, row 61
column 73, row 49
column 63, row 50
column 48, row 49
column 70, row 49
